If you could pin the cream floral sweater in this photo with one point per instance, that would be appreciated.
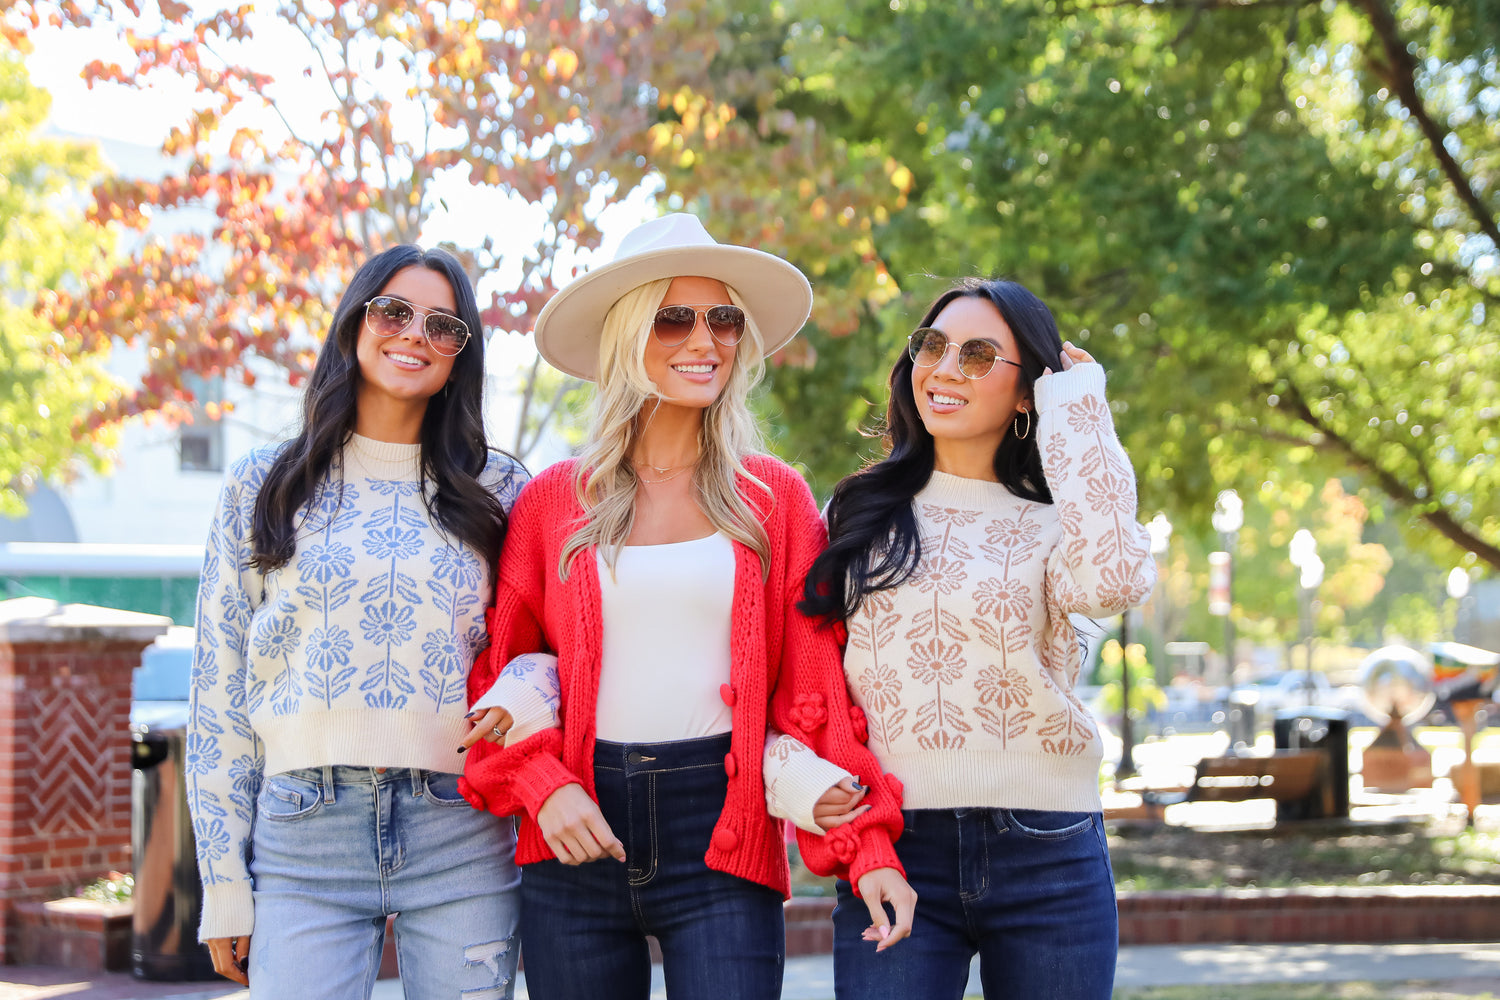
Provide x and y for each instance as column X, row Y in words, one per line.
column 966, row 671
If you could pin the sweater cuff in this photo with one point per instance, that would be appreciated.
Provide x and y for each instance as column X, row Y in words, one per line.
column 537, row 778
column 1061, row 388
column 531, row 708
column 228, row 910
column 795, row 780
column 875, row 851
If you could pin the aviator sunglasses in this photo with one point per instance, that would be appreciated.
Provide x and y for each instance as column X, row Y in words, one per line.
column 388, row 316
column 674, row 324
column 976, row 358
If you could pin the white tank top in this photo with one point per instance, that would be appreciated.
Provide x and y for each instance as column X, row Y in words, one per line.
column 666, row 641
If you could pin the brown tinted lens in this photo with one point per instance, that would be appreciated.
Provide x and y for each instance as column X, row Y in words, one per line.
column 388, row 316
column 927, row 347
column 726, row 323
column 976, row 358
column 447, row 334
column 674, row 324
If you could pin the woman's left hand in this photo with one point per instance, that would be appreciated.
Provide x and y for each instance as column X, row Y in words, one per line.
column 877, row 887
column 1071, row 356
column 491, row 727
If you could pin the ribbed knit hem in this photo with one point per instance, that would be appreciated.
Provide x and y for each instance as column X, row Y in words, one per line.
column 937, row 779
column 228, row 910
column 363, row 737
column 875, row 851
column 1061, row 388
column 530, row 710
column 800, row 782
column 537, row 777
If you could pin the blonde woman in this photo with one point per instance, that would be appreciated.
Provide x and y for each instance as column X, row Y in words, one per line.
column 662, row 568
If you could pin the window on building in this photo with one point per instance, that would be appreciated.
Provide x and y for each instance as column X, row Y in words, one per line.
column 201, row 443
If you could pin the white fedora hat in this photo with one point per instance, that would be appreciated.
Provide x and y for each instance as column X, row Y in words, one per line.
column 776, row 294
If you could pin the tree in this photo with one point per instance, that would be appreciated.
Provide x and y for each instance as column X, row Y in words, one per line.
column 45, row 378
column 545, row 103
column 1274, row 221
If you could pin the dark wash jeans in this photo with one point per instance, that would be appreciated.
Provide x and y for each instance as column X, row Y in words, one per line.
column 583, row 928
column 1031, row 891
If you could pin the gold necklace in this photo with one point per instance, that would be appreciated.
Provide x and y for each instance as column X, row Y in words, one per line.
column 665, row 479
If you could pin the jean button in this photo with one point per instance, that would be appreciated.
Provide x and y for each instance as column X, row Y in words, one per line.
column 634, row 757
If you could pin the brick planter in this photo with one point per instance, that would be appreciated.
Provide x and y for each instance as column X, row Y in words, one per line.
column 73, row 933
column 1327, row 915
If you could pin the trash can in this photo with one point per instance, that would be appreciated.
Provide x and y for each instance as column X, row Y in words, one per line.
column 1317, row 728
column 168, row 896
column 1239, row 721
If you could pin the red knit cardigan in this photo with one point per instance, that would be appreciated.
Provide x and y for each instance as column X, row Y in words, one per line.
column 781, row 661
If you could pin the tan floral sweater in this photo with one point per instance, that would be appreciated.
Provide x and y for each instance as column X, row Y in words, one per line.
column 966, row 671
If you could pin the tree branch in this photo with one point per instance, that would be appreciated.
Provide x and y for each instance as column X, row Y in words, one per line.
column 1399, row 71
column 1438, row 517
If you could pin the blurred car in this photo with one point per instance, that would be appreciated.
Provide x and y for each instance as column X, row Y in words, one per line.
column 159, row 687
column 1298, row 689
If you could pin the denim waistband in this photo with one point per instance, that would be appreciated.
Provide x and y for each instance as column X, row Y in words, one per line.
column 674, row 755
column 348, row 774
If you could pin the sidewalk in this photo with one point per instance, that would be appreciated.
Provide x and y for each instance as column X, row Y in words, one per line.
column 1468, row 969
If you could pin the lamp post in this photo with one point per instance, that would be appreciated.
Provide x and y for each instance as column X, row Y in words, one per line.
column 1160, row 530
column 1228, row 518
column 1304, row 556
column 1458, row 589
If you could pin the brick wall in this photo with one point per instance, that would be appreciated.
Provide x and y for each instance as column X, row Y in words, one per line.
column 1324, row 914
column 64, row 748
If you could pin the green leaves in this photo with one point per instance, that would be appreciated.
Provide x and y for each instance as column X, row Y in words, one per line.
column 47, row 381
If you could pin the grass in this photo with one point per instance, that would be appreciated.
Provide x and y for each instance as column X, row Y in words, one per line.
column 1167, row 857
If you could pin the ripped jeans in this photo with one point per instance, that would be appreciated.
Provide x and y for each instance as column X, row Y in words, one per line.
column 338, row 849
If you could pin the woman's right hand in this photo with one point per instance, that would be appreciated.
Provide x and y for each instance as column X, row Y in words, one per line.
column 231, row 957
column 840, row 804
column 575, row 829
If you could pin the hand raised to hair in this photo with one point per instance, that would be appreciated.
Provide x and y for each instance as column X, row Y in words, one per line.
column 1070, row 356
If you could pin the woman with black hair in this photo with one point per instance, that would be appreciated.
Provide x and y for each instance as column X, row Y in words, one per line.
column 342, row 602
column 1005, row 505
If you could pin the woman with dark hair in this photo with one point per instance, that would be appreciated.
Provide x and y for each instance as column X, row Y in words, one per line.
column 342, row 601
column 1005, row 505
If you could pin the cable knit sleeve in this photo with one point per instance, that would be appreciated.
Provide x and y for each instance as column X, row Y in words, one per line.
column 1102, row 564
column 811, row 702
column 505, row 780
column 224, row 758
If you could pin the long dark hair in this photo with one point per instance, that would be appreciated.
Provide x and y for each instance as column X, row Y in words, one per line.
column 873, row 542
column 454, row 450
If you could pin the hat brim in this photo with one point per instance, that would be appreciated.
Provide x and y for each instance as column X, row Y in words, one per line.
column 776, row 294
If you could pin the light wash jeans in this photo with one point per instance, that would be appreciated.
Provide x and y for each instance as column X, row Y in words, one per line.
column 338, row 849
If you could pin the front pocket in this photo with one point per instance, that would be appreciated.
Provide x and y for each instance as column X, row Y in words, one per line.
column 441, row 788
column 285, row 798
column 1047, row 824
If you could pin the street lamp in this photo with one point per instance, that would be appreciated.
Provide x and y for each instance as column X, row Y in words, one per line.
column 1160, row 530
column 1228, row 518
column 1458, row 589
column 1304, row 556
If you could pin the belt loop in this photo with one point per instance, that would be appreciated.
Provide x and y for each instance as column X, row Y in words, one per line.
column 328, row 794
column 417, row 776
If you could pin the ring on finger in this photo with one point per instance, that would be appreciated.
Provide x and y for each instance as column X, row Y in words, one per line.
column 498, row 734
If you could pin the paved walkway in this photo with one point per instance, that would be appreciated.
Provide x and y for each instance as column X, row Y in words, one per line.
column 1467, row 969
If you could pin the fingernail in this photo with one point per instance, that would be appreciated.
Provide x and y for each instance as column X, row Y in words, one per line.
column 472, row 714
column 459, row 750
column 859, row 788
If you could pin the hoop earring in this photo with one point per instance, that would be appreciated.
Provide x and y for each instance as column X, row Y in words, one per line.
column 1021, row 435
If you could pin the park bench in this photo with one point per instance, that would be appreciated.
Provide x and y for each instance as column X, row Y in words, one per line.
column 1297, row 779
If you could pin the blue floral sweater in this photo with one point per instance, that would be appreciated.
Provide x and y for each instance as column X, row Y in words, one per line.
column 355, row 652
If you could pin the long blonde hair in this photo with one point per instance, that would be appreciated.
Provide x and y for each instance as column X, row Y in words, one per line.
column 605, row 479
